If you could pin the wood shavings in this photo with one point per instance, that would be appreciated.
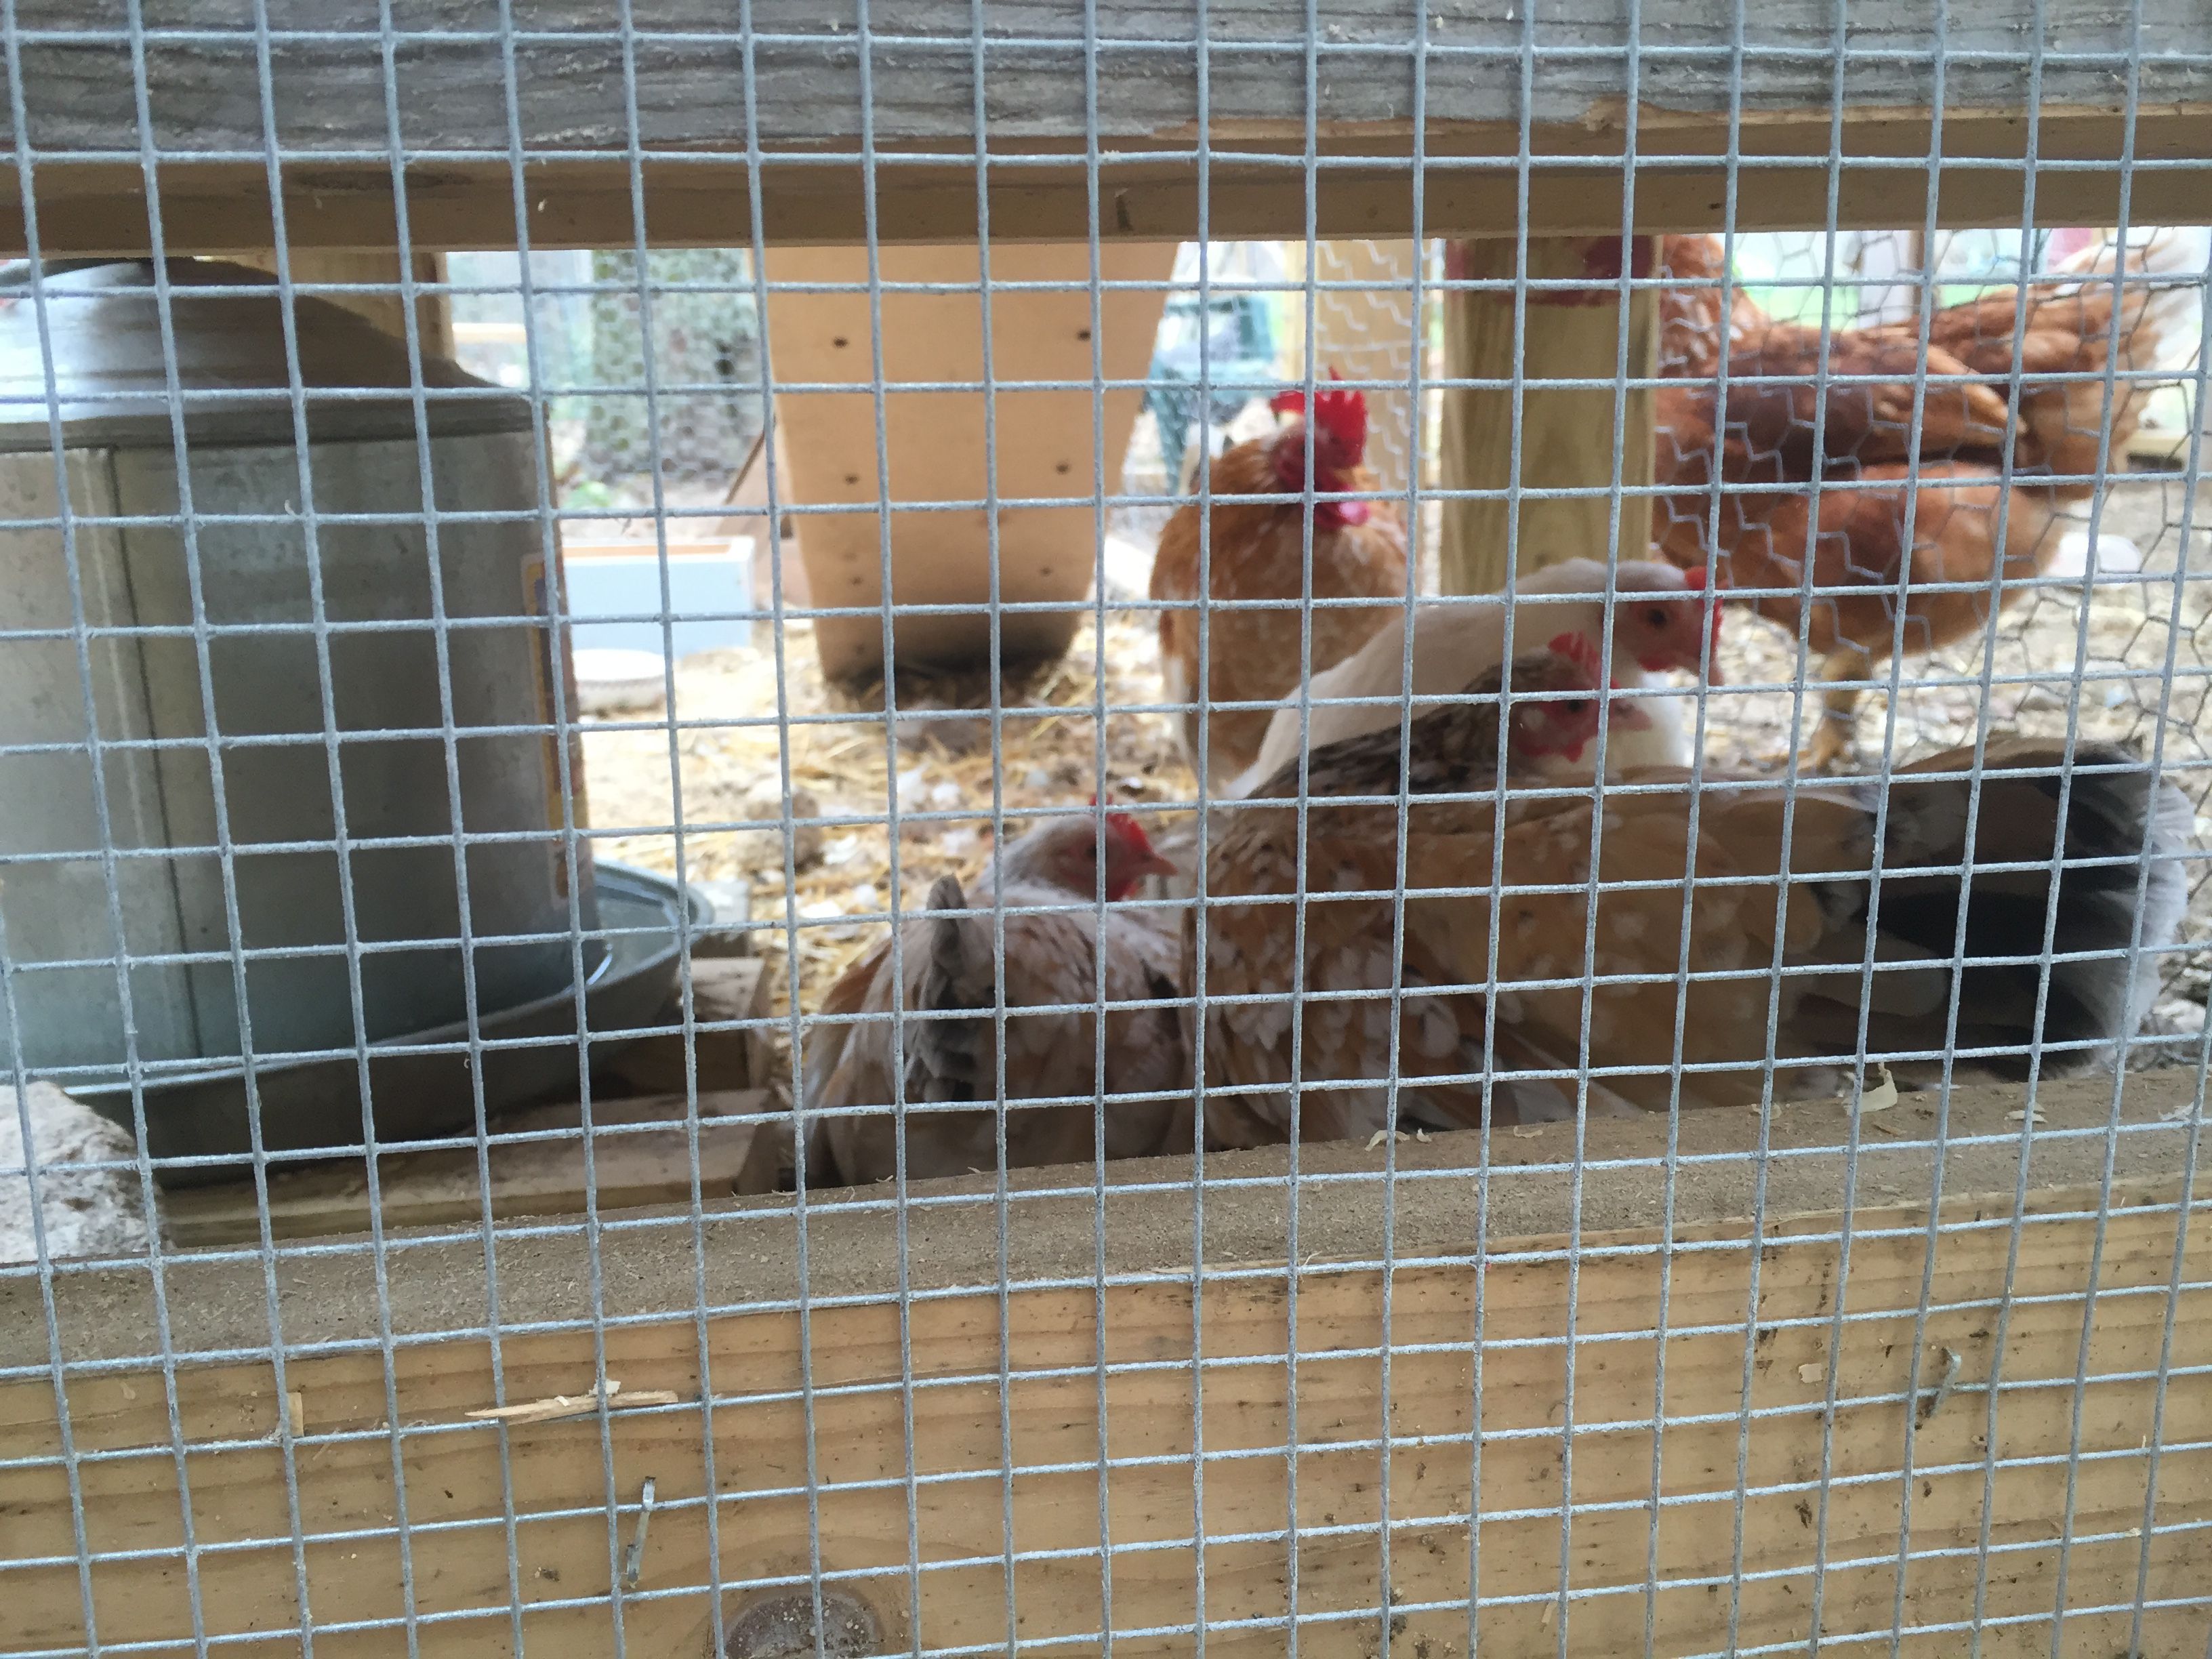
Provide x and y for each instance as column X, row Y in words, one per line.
column 1812, row 1372
column 1890, row 1129
column 1932, row 1400
column 634, row 1557
column 1526, row 1130
column 295, row 1412
column 1382, row 1135
column 1049, row 739
column 559, row 1406
column 2026, row 1114
column 1879, row 1098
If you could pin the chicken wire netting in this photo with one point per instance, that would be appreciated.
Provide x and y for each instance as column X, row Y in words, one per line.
column 1020, row 877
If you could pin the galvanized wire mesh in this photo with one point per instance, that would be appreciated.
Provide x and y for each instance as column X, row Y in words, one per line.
column 324, row 848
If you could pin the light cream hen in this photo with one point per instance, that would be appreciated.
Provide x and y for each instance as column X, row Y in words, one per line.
column 1662, row 621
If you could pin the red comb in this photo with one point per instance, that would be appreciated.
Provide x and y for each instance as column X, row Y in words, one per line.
column 1578, row 649
column 1343, row 413
column 1125, row 826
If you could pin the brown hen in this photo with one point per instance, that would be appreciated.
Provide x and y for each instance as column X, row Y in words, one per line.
column 1342, row 1003
column 926, row 1096
column 1900, row 511
column 1595, row 1011
column 1258, row 552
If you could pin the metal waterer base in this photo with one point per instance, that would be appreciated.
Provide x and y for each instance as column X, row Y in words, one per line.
column 316, row 1104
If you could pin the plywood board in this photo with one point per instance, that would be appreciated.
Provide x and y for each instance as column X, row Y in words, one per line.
column 533, row 1163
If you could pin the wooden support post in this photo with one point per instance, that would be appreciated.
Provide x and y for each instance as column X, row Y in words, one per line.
column 2054, row 1327
column 433, row 320
column 1048, row 442
column 1566, row 434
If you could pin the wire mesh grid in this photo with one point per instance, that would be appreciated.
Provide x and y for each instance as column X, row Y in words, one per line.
column 1285, row 1183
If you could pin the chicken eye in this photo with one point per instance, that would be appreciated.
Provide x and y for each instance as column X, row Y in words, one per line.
column 1579, row 705
column 1656, row 615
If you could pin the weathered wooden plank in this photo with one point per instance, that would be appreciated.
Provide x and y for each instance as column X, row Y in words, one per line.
column 1823, row 1483
column 686, row 58
column 640, row 1154
column 558, row 95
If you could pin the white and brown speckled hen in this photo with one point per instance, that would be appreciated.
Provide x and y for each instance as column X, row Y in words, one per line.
column 1060, row 961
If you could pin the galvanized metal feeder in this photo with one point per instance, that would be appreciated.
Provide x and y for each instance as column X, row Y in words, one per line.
column 280, row 629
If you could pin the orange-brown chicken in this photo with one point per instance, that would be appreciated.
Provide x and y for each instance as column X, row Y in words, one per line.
column 1900, row 511
column 1258, row 553
column 1690, row 316
column 1515, row 1002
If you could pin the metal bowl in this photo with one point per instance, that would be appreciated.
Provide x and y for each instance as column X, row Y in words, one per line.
column 315, row 1105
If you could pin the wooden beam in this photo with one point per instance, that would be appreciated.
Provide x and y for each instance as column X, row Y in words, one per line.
column 1757, row 1320
column 640, row 1154
column 434, row 313
column 574, row 71
column 1564, row 435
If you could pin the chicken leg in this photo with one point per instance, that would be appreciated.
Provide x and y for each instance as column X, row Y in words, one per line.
column 1835, row 732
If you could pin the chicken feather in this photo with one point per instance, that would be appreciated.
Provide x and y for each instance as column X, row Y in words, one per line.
column 1066, row 959
column 1258, row 550
column 1773, row 882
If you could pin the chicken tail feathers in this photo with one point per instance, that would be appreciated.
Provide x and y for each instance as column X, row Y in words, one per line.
column 944, row 1059
column 2116, row 901
column 947, row 955
column 2163, row 277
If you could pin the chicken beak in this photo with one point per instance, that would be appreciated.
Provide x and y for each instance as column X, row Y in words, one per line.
column 1152, row 863
column 1627, row 716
